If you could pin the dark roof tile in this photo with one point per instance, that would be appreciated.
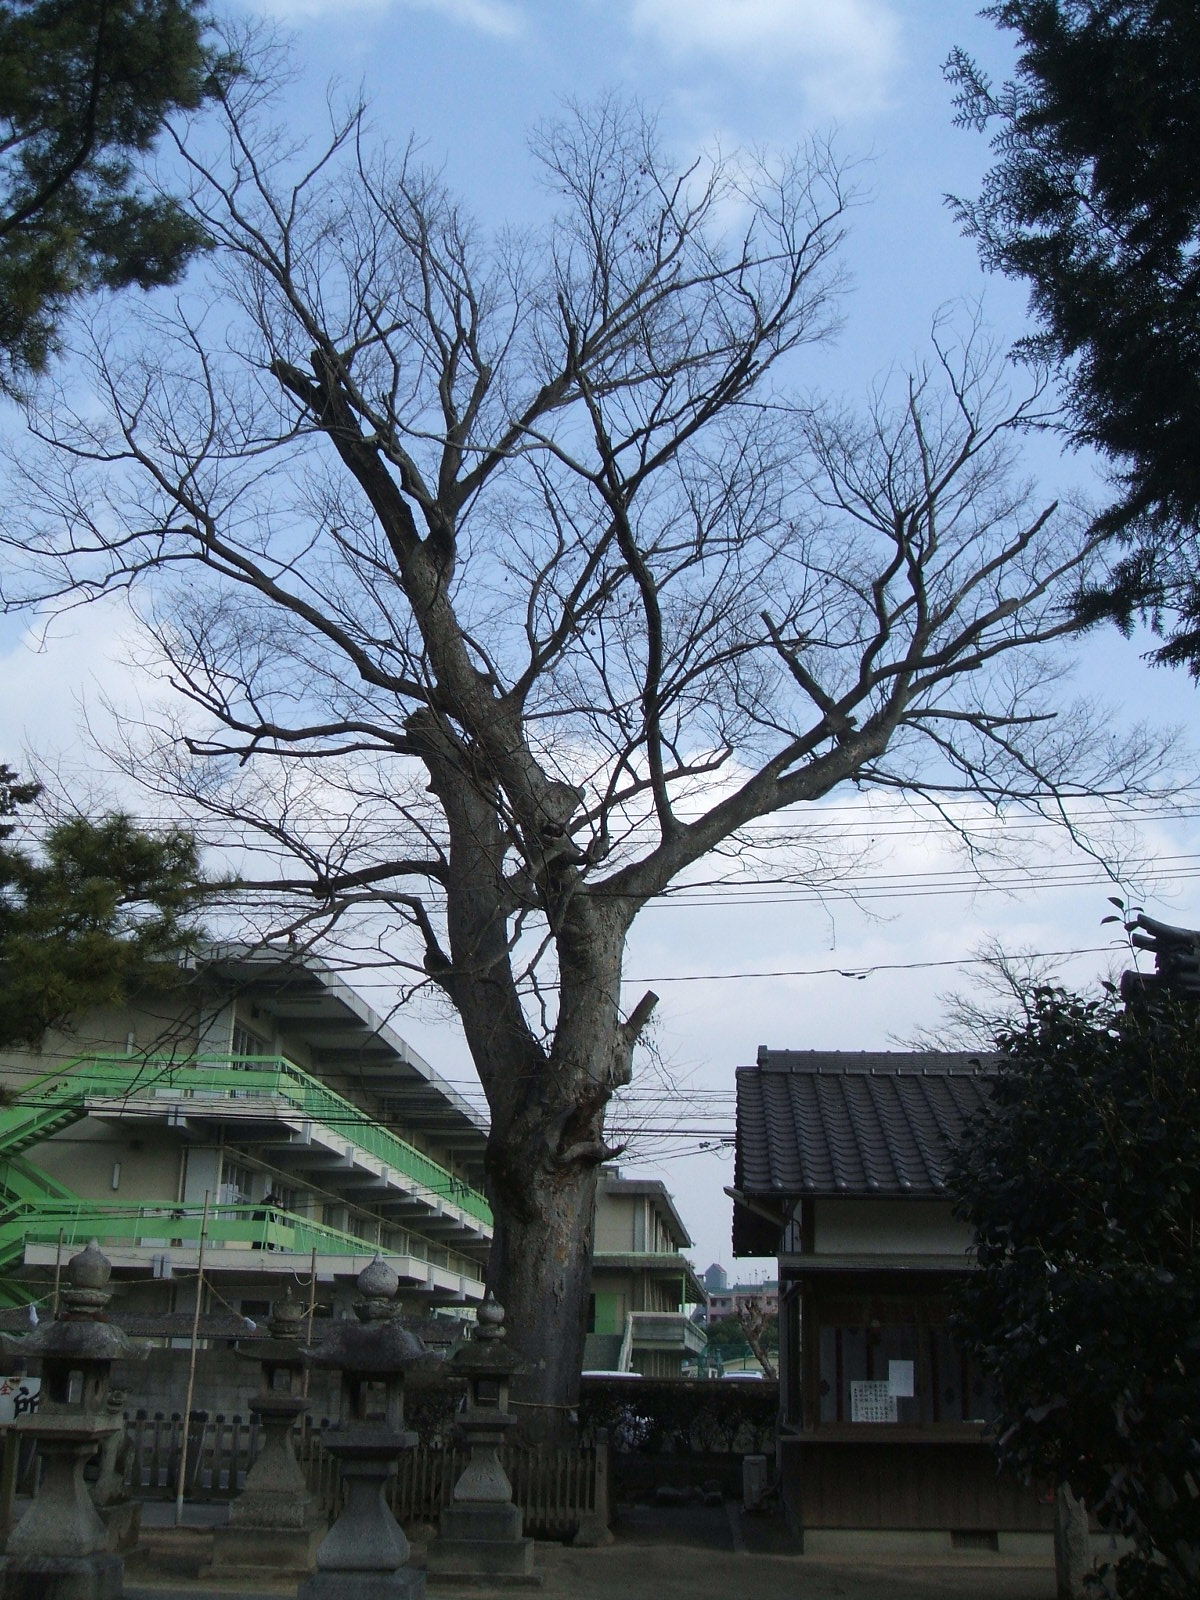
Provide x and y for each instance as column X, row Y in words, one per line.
column 864, row 1122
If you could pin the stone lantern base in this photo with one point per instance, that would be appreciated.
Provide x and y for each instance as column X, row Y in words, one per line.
column 406, row 1584
column 58, row 1550
column 365, row 1555
column 123, row 1519
column 479, row 1540
column 274, row 1524
column 94, row 1577
column 249, row 1553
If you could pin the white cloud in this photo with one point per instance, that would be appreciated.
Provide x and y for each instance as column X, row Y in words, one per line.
column 497, row 18
column 490, row 16
column 841, row 53
column 79, row 673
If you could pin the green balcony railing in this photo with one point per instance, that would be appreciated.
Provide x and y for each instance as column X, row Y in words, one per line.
column 50, row 1102
column 163, row 1226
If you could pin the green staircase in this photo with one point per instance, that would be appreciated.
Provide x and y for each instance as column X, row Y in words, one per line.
column 46, row 1106
column 27, row 1192
column 21, row 1183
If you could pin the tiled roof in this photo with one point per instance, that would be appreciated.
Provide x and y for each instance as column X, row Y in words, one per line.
column 852, row 1123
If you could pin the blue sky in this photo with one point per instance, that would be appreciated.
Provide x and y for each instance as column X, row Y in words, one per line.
column 469, row 78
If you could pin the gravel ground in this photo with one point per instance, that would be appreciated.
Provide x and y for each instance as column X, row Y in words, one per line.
column 690, row 1553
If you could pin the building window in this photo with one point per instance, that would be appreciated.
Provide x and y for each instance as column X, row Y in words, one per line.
column 236, row 1183
column 246, row 1042
column 891, row 1360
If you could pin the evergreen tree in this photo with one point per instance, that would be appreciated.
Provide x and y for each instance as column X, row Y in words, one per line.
column 1081, row 1184
column 1095, row 203
column 13, row 795
column 85, row 86
column 103, row 907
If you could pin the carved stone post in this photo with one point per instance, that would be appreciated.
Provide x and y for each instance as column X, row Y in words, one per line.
column 274, row 1524
column 119, row 1511
column 481, row 1533
column 365, row 1554
column 1072, row 1545
column 59, row 1549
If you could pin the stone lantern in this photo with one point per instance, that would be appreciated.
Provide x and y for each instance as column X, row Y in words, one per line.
column 274, row 1524
column 365, row 1554
column 482, row 1530
column 58, row 1550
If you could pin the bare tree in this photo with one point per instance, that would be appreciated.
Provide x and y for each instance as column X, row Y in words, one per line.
column 507, row 584
column 752, row 1319
column 1000, row 997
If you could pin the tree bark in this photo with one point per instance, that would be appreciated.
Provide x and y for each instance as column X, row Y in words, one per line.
column 547, row 1095
column 541, row 1265
column 544, row 1151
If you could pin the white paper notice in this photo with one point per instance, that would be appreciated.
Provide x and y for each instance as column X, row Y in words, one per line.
column 870, row 1401
column 900, row 1379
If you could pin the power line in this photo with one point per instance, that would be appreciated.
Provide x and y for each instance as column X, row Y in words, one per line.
column 870, row 968
column 868, row 809
column 921, row 883
column 866, row 970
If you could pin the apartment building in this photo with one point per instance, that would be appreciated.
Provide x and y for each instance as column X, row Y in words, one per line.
column 255, row 1109
column 731, row 1299
column 641, row 1283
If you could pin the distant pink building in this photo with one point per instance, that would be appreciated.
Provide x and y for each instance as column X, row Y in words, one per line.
column 730, row 1299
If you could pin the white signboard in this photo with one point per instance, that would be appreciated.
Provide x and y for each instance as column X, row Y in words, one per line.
column 872, row 1401
column 18, row 1397
column 900, row 1379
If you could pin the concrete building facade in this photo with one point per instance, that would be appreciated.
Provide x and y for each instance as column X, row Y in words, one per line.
column 642, row 1285
column 253, row 1104
column 734, row 1298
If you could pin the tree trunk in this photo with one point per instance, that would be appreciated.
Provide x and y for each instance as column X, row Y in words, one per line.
column 547, row 1095
column 541, row 1269
column 752, row 1321
column 545, row 1149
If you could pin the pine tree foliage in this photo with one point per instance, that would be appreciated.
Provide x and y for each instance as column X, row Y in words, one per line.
column 101, row 908
column 85, row 86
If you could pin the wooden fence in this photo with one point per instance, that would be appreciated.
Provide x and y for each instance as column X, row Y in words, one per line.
column 560, row 1488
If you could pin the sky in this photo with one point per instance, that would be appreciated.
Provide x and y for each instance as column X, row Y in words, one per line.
column 851, row 970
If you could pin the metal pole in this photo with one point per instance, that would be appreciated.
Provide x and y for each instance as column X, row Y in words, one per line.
column 191, row 1383
column 312, row 1309
column 58, row 1270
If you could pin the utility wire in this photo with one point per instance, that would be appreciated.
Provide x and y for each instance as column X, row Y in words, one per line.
column 867, row 812
column 865, row 970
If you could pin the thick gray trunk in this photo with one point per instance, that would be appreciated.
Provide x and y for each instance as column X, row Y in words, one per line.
column 540, row 1269
column 545, row 1148
column 547, row 1097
